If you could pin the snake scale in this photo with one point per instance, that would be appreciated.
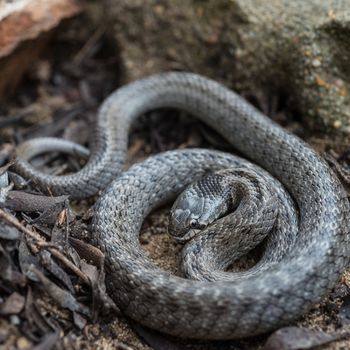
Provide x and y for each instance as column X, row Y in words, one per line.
column 304, row 255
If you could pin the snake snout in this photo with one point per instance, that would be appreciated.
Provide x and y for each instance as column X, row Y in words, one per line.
column 185, row 219
column 179, row 223
column 195, row 209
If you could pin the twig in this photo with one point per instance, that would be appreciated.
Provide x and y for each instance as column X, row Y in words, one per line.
column 89, row 45
column 42, row 243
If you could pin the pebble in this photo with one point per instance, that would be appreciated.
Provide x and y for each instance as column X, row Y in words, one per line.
column 337, row 124
column 316, row 62
column 23, row 343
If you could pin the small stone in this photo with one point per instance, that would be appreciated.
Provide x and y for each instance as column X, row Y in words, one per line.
column 200, row 11
column 212, row 38
column 331, row 14
column 23, row 343
column 159, row 9
column 337, row 124
column 15, row 320
column 321, row 82
column 343, row 92
column 300, row 33
column 316, row 62
column 339, row 83
column 95, row 331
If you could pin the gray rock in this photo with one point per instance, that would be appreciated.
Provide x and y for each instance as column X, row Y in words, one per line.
column 300, row 47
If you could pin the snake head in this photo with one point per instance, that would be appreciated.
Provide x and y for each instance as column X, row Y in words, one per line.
column 196, row 208
column 184, row 223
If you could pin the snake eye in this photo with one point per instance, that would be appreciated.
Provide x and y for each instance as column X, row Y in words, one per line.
column 193, row 223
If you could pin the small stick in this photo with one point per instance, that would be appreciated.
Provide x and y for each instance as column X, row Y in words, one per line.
column 42, row 243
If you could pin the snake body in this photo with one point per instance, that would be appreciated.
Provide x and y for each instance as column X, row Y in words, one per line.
column 304, row 255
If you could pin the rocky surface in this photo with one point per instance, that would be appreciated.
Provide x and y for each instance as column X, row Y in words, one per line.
column 299, row 48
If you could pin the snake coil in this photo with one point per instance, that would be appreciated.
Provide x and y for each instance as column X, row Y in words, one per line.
column 301, row 263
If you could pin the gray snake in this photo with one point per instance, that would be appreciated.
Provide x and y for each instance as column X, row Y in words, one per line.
column 304, row 256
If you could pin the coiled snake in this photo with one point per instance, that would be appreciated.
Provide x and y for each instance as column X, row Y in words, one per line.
column 304, row 254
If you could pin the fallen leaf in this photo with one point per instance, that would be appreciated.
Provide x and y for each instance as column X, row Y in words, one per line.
column 101, row 302
column 5, row 167
column 9, row 232
column 62, row 297
column 4, row 335
column 79, row 320
column 50, row 265
column 27, row 260
column 36, row 319
column 13, row 305
column 8, row 271
column 50, row 207
column 295, row 338
column 6, row 151
column 47, row 342
column 87, row 251
column 344, row 312
column 52, row 214
column 30, row 202
column 18, row 181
